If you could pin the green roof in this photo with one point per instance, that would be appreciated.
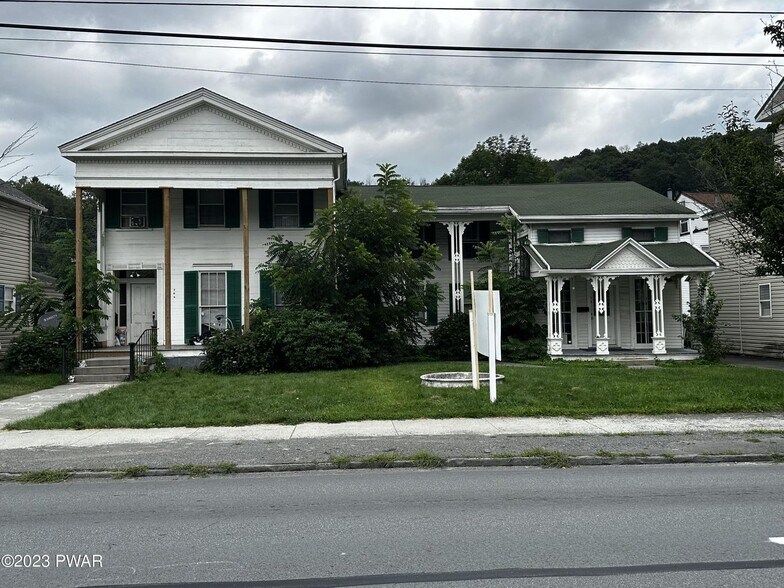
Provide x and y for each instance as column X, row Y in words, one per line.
column 536, row 200
column 583, row 257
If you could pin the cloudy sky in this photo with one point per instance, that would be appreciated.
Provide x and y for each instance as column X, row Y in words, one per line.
column 425, row 129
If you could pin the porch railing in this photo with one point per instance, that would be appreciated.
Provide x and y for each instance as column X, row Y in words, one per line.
column 142, row 350
column 71, row 358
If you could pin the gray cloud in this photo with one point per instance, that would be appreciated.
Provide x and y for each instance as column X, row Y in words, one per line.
column 424, row 129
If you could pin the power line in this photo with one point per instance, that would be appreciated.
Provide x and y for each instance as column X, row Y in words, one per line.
column 383, row 82
column 402, row 8
column 460, row 48
column 393, row 53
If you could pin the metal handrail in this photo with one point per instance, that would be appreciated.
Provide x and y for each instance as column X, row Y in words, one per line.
column 142, row 350
column 72, row 357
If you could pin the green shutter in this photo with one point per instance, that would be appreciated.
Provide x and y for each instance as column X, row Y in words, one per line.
column 578, row 235
column 305, row 208
column 431, row 312
column 543, row 235
column 266, row 291
column 192, row 317
column 265, row 209
column 112, row 209
column 626, row 232
column 190, row 209
column 231, row 199
column 234, row 298
column 660, row 234
column 155, row 209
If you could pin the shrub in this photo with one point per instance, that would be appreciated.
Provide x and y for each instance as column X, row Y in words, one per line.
column 450, row 339
column 287, row 340
column 516, row 350
column 702, row 325
column 38, row 351
column 313, row 340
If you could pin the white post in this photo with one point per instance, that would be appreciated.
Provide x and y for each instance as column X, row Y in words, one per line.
column 491, row 335
column 456, row 230
column 656, row 285
column 601, row 285
column 473, row 332
column 554, row 342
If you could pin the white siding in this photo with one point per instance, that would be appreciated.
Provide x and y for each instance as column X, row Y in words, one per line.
column 607, row 232
column 206, row 130
column 14, row 252
column 743, row 328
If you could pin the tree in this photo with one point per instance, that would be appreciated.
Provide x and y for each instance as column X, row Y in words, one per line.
column 498, row 161
column 358, row 264
column 701, row 326
column 749, row 167
column 97, row 289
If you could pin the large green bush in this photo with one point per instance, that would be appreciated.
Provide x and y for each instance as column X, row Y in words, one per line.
column 38, row 351
column 287, row 340
column 450, row 339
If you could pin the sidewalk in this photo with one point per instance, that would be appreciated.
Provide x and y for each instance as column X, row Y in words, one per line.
column 614, row 439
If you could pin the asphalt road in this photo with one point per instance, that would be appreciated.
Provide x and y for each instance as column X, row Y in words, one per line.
column 696, row 525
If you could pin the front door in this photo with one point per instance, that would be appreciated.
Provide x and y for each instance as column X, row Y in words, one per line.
column 142, row 309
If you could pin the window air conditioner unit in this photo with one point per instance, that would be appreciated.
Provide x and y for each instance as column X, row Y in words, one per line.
column 137, row 222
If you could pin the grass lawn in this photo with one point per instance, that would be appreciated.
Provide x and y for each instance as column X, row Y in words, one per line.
column 12, row 385
column 577, row 389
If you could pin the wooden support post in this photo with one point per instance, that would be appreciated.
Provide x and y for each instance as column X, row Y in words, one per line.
column 245, row 261
column 79, row 229
column 167, row 283
column 330, row 196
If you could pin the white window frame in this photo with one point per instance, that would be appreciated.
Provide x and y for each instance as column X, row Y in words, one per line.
column 126, row 220
column 278, row 300
column 687, row 230
column 561, row 233
column 275, row 215
column 7, row 303
column 768, row 300
column 213, row 307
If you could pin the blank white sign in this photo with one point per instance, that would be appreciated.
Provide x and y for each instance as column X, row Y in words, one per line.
column 481, row 309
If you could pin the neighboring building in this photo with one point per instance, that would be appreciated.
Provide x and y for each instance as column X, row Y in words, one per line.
column 753, row 311
column 17, row 213
column 695, row 230
column 191, row 190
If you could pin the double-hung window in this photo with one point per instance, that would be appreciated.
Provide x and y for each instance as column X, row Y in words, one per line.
column 765, row 301
column 133, row 209
column 285, row 208
column 6, row 299
column 212, row 212
column 212, row 301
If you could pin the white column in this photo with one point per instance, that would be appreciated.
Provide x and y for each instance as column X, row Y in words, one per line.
column 656, row 285
column 554, row 326
column 456, row 230
column 600, row 286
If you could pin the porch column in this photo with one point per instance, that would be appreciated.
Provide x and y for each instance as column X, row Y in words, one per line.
column 656, row 285
column 600, row 286
column 245, row 262
column 79, row 230
column 167, row 283
column 456, row 230
column 554, row 324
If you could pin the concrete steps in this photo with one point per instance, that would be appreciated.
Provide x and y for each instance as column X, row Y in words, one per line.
column 104, row 369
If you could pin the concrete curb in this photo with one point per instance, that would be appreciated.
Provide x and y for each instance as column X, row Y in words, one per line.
column 555, row 461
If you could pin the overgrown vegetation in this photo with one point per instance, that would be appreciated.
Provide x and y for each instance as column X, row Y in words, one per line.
column 44, row 477
column 702, row 324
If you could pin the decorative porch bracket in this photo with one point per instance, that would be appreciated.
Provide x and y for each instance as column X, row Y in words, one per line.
column 456, row 230
column 600, row 286
column 554, row 324
column 656, row 285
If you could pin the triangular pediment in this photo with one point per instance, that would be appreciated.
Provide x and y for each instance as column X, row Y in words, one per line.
column 200, row 122
column 630, row 255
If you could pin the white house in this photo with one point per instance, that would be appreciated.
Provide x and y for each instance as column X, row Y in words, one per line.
column 191, row 190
